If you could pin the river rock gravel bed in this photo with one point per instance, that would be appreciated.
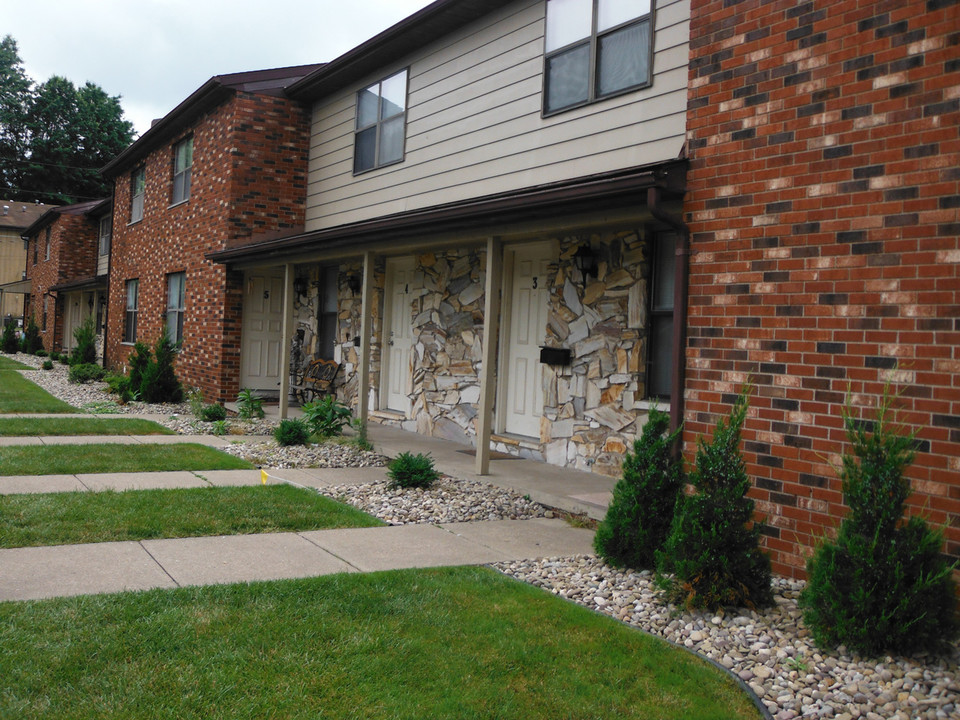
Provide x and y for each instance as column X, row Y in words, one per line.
column 325, row 455
column 448, row 500
column 770, row 650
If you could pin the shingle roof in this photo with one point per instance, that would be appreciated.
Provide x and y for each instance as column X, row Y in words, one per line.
column 17, row 214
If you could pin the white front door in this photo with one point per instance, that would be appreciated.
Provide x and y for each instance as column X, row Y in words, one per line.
column 521, row 388
column 395, row 372
column 74, row 319
column 261, row 330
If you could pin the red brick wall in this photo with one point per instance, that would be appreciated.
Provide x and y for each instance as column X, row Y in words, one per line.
column 248, row 177
column 73, row 255
column 823, row 205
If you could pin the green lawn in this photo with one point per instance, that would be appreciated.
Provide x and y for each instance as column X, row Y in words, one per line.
column 83, row 517
column 98, row 458
column 44, row 427
column 7, row 363
column 448, row 643
column 19, row 395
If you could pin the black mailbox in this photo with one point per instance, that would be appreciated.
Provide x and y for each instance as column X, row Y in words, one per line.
column 554, row 356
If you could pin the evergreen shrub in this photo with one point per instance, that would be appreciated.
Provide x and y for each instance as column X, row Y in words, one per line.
column 212, row 413
column 10, row 343
column 159, row 383
column 85, row 351
column 30, row 342
column 85, row 372
column 292, row 432
column 47, row 365
column 644, row 499
column 412, row 471
column 139, row 359
column 883, row 585
column 713, row 548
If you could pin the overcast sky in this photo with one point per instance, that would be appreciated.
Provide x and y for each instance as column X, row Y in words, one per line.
column 154, row 53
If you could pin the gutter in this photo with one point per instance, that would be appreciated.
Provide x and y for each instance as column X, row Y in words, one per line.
column 681, row 272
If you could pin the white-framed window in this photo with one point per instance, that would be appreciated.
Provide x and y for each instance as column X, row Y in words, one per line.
column 381, row 123
column 176, row 302
column 130, row 315
column 595, row 49
column 660, row 331
column 182, row 166
column 106, row 232
column 138, row 190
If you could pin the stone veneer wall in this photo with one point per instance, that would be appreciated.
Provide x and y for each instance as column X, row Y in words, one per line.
column 593, row 408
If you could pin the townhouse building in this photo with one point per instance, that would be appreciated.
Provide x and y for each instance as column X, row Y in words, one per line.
column 15, row 217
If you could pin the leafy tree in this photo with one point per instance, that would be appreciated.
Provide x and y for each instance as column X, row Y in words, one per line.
column 638, row 519
column 713, row 549
column 55, row 137
column 883, row 585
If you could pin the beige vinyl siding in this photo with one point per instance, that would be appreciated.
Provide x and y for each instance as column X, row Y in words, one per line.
column 474, row 124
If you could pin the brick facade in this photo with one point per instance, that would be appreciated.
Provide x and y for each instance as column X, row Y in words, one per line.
column 823, row 199
column 248, row 179
column 73, row 255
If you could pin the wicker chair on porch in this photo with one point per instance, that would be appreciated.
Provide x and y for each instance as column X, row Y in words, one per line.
column 316, row 380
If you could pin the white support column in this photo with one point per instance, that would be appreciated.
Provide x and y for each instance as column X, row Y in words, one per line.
column 491, row 332
column 286, row 336
column 366, row 329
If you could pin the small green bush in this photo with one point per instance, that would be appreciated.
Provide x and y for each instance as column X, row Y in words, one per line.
column 360, row 439
column 64, row 360
column 326, row 416
column 54, row 355
column 212, row 413
column 412, row 471
column 220, row 427
column 292, row 432
column 249, row 405
column 85, row 373
column 139, row 359
column 47, row 365
column 883, row 586
column 158, row 383
column 40, row 353
column 644, row 500
column 195, row 399
column 10, row 343
column 713, row 549
column 85, row 351
column 30, row 342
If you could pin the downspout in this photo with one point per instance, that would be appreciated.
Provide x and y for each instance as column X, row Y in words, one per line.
column 681, row 270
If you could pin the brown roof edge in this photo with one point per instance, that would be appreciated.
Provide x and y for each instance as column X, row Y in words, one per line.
column 213, row 92
column 81, row 283
column 568, row 197
column 90, row 207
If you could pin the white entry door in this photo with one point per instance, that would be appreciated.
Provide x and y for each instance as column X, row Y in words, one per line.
column 521, row 388
column 395, row 372
column 261, row 331
column 74, row 319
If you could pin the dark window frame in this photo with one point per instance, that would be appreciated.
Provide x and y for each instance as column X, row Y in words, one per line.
column 592, row 42
column 130, row 313
column 660, row 315
column 377, row 126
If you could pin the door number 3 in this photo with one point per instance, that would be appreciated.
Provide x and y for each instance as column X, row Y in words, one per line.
column 534, row 283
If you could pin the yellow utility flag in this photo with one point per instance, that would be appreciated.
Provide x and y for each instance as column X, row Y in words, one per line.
column 263, row 476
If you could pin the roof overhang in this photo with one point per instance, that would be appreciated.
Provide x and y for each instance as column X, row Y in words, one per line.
column 394, row 43
column 588, row 194
column 20, row 287
column 87, row 283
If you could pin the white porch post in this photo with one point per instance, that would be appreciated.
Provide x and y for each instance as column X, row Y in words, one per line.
column 286, row 333
column 491, row 332
column 366, row 328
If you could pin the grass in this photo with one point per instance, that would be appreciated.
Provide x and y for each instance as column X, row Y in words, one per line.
column 448, row 643
column 48, row 427
column 82, row 517
column 11, row 364
column 97, row 458
column 19, row 395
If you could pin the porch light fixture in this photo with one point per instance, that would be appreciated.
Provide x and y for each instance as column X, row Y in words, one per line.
column 586, row 262
column 300, row 285
column 90, row 303
column 353, row 282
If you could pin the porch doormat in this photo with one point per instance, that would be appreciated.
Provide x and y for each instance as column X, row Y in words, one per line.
column 494, row 455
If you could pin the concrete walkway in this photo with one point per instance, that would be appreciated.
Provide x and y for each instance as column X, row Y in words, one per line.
column 43, row 572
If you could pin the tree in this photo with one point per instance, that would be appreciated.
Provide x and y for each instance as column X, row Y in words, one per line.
column 55, row 137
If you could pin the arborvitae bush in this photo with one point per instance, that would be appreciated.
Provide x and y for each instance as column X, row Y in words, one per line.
column 31, row 342
column 292, row 432
column 407, row 470
column 85, row 351
column 10, row 343
column 139, row 360
column 883, row 585
column 85, row 372
column 159, row 382
column 713, row 547
column 212, row 413
column 638, row 519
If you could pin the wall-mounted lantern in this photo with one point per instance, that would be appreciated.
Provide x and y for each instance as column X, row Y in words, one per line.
column 586, row 262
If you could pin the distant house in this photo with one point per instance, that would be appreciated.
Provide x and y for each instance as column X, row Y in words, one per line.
column 67, row 264
column 15, row 217
column 226, row 165
column 491, row 221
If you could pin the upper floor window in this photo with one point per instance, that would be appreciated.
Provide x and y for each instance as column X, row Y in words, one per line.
column 46, row 253
column 660, row 335
column 595, row 49
column 36, row 248
column 130, row 314
column 182, row 164
column 138, row 189
column 176, row 302
column 381, row 122
column 106, row 230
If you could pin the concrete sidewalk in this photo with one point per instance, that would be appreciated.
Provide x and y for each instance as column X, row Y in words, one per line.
column 44, row 572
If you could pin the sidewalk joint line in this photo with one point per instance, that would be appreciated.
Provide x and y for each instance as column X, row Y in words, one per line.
column 329, row 552
column 89, row 489
column 159, row 564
